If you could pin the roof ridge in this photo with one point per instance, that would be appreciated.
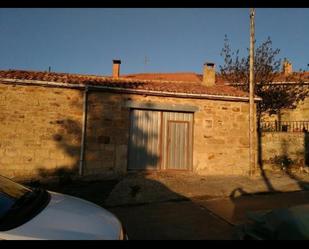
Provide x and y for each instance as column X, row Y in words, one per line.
column 121, row 78
column 149, row 73
column 59, row 73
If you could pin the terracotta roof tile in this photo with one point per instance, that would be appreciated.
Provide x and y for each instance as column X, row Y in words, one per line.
column 180, row 76
column 174, row 82
column 279, row 77
column 296, row 76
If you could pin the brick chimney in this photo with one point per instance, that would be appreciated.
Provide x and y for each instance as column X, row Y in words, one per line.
column 287, row 68
column 209, row 74
column 116, row 68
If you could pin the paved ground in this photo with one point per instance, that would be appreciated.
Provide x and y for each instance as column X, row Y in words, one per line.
column 156, row 187
column 210, row 206
column 181, row 220
column 234, row 210
column 199, row 219
column 188, row 206
column 162, row 186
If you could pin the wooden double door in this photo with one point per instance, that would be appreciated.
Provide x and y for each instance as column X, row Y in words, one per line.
column 160, row 140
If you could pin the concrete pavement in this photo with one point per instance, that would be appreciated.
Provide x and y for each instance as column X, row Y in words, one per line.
column 234, row 210
column 181, row 220
column 199, row 219
column 203, row 208
column 162, row 186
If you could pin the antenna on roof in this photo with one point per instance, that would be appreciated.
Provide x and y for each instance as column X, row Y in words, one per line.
column 146, row 62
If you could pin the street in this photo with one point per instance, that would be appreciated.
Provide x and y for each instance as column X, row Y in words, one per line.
column 198, row 219
column 172, row 221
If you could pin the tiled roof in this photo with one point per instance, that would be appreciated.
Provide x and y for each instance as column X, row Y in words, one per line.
column 183, row 76
column 278, row 77
column 294, row 77
column 162, row 85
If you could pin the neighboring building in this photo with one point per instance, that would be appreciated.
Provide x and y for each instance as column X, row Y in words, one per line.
column 291, row 119
column 106, row 125
column 284, row 137
column 296, row 119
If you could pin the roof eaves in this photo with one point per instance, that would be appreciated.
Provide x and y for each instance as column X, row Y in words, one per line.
column 121, row 89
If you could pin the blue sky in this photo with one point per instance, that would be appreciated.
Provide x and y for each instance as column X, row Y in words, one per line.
column 87, row 40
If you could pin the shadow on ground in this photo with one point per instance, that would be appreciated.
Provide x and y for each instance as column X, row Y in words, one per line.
column 160, row 214
column 165, row 206
column 240, row 202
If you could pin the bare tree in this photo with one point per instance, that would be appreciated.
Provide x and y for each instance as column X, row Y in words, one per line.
column 275, row 96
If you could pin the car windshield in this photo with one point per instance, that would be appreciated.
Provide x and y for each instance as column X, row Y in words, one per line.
column 19, row 204
column 10, row 193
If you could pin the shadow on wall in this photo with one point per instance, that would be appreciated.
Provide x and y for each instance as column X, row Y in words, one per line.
column 240, row 198
column 301, row 183
column 306, row 148
column 64, row 156
column 283, row 161
column 108, row 127
column 300, row 160
column 143, row 138
column 107, row 139
column 260, row 161
column 68, row 142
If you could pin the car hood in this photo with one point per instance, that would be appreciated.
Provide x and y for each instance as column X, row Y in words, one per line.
column 281, row 223
column 68, row 218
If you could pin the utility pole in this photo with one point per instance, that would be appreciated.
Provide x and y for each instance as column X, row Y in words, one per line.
column 251, row 97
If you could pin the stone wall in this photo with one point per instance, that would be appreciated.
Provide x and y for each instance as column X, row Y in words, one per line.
column 107, row 134
column 221, row 139
column 39, row 129
column 292, row 145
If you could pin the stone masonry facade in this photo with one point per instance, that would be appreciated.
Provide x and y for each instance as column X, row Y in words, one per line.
column 41, row 131
column 33, row 130
column 290, row 145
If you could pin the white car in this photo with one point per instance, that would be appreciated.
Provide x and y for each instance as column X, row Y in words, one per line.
column 32, row 214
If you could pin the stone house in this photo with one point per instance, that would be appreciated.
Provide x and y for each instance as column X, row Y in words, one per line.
column 301, row 112
column 107, row 125
column 283, row 140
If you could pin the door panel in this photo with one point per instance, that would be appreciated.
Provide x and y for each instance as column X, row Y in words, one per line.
column 144, row 144
column 177, row 145
column 186, row 139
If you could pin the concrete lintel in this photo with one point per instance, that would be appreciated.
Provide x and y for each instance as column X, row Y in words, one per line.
column 160, row 106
